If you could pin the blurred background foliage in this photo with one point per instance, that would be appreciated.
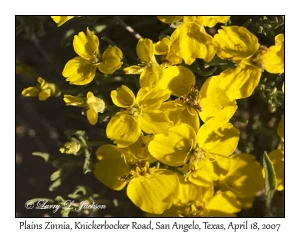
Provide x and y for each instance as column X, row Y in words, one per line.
column 42, row 49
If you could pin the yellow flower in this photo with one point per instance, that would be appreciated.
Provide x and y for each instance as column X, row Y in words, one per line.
column 236, row 83
column 273, row 59
column 190, row 40
column 244, row 176
column 181, row 146
column 145, row 52
column 60, row 20
column 91, row 104
column 71, row 147
column 194, row 201
column 140, row 114
column 208, row 102
column 82, row 70
column 241, row 46
column 43, row 90
column 151, row 72
column 236, row 43
column 149, row 68
column 118, row 167
column 162, row 47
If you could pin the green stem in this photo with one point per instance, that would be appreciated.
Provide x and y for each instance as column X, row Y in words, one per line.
column 94, row 143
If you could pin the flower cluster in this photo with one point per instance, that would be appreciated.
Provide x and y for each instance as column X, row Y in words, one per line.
column 174, row 145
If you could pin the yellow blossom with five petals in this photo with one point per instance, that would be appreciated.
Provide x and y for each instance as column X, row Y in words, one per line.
column 81, row 70
column 141, row 113
column 43, row 90
column 146, row 185
column 91, row 104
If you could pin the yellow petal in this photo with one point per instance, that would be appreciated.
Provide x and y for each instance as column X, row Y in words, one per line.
column 190, row 41
column 162, row 47
column 139, row 150
column 151, row 98
column 189, row 193
column 169, row 19
column 123, row 129
column 92, row 116
column 155, row 193
column 74, row 100
column 273, row 59
column 240, row 82
column 177, row 79
column 42, row 82
column 235, row 43
column 86, row 45
column 30, row 91
column 173, row 147
column 60, row 20
column 111, row 60
column 221, row 165
column 94, row 102
column 244, row 176
column 214, row 101
column 145, row 50
column 201, row 173
column 79, row 72
column 44, row 94
column 223, row 204
column 135, row 69
column 46, row 89
column 110, row 167
column 150, row 76
column 211, row 21
column 123, row 97
column 218, row 137
column 178, row 113
column 154, row 121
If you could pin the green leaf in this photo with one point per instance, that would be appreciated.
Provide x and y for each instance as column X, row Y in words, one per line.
column 79, row 192
column 56, row 175
column 45, row 156
column 271, row 183
column 87, row 165
column 65, row 212
column 55, row 185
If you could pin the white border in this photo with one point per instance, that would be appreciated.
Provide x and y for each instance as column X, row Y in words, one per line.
column 132, row 7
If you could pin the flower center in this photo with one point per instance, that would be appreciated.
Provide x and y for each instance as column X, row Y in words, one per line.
column 256, row 59
column 95, row 59
column 192, row 98
column 138, row 168
column 196, row 209
column 135, row 112
column 197, row 154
